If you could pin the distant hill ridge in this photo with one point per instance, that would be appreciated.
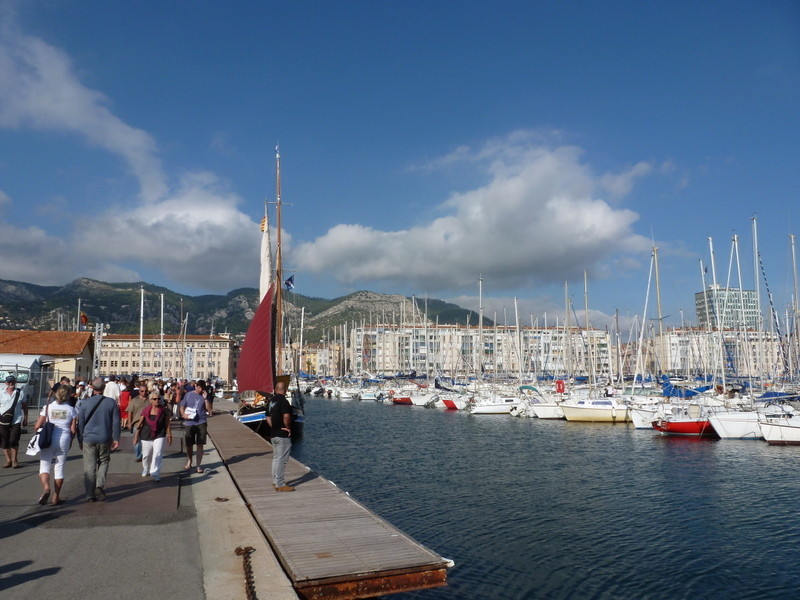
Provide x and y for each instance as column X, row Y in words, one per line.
column 30, row 306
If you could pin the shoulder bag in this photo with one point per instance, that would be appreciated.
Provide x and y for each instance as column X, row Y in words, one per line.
column 45, row 432
column 7, row 418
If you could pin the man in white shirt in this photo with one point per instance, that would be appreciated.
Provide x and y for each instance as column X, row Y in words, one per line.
column 14, row 411
column 112, row 389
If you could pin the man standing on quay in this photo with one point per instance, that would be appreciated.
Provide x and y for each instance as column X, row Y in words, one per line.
column 98, row 435
column 279, row 420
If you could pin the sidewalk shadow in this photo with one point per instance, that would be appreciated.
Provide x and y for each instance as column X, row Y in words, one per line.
column 12, row 527
column 242, row 457
column 16, row 565
column 14, row 579
column 310, row 476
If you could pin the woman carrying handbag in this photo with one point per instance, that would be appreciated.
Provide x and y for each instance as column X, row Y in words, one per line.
column 153, row 430
column 65, row 425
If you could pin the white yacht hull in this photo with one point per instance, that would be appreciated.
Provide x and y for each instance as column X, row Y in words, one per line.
column 594, row 413
column 548, row 410
column 736, row 425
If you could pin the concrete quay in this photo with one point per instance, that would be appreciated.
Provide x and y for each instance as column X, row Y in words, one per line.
column 174, row 539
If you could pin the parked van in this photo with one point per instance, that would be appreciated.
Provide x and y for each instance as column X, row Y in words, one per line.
column 32, row 373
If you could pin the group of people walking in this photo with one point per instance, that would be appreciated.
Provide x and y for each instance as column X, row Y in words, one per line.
column 96, row 418
column 97, row 413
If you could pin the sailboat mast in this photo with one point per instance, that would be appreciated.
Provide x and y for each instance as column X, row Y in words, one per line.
column 794, row 330
column 479, row 369
column 161, row 339
column 589, row 338
column 278, row 268
column 141, row 334
column 663, row 346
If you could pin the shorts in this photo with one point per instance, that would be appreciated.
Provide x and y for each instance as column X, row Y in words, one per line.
column 196, row 434
column 9, row 436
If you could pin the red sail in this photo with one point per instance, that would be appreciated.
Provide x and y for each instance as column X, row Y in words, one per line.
column 256, row 368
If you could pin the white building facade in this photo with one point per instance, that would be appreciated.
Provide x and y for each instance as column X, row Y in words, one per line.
column 459, row 350
column 189, row 356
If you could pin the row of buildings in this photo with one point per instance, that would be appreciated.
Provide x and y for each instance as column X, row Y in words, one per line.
column 556, row 352
column 740, row 347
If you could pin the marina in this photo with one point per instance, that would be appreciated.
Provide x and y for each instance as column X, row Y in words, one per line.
column 531, row 508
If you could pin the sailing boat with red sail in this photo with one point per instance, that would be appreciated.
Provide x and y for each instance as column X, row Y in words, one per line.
column 259, row 359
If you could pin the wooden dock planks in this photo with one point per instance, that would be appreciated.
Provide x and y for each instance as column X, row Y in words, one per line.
column 330, row 545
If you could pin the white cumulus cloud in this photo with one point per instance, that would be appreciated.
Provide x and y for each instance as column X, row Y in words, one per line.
column 192, row 231
column 539, row 217
column 39, row 90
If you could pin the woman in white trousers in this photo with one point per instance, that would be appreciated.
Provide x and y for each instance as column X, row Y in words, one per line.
column 65, row 422
column 154, row 430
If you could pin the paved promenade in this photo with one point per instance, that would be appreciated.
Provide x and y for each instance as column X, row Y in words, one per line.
column 175, row 539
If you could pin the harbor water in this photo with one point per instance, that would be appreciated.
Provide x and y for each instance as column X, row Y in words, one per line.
column 551, row 509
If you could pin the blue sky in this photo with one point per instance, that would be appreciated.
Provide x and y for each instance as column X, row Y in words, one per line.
column 423, row 144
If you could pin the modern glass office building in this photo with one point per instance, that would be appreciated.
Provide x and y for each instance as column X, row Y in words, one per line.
column 727, row 308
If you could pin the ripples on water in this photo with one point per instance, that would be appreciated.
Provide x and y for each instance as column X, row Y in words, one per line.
column 550, row 509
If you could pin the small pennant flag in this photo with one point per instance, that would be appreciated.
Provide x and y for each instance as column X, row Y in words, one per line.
column 289, row 283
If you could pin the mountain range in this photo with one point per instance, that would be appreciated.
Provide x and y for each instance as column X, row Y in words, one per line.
column 38, row 307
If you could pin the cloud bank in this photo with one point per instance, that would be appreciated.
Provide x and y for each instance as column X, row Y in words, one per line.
column 539, row 218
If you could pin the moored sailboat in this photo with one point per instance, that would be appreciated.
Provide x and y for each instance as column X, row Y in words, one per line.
column 685, row 420
column 262, row 348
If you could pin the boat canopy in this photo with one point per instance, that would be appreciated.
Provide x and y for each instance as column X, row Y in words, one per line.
column 670, row 390
column 775, row 395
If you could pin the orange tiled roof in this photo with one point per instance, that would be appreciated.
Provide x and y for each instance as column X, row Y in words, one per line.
column 52, row 343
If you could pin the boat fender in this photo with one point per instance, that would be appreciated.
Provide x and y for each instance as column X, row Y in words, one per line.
column 391, row 393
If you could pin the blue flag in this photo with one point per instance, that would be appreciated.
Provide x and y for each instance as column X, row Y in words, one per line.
column 289, row 283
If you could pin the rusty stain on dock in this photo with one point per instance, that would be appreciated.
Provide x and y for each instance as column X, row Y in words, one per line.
column 329, row 544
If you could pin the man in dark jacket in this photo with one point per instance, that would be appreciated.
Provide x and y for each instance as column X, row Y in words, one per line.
column 98, row 436
column 279, row 420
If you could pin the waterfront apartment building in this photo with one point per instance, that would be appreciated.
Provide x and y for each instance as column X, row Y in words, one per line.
column 460, row 350
column 727, row 308
column 187, row 356
column 737, row 353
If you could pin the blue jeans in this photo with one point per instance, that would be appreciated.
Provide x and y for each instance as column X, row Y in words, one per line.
column 280, row 456
column 137, row 450
column 95, row 466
